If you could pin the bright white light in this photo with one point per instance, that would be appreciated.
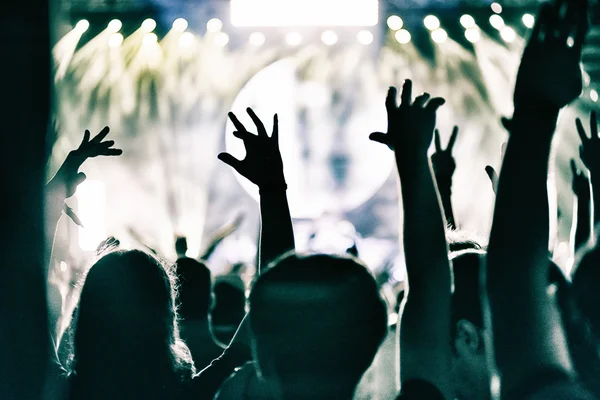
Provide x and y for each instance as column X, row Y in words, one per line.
column 186, row 39
column 593, row 95
column 402, row 36
column 91, row 200
column 364, row 37
column 257, row 39
column 570, row 42
column 114, row 26
column 82, row 26
column 394, row 22
column 115, row 40
column 496, row 21
column 431, row 22
column 528, row 20
column 221, row 39
column 439, row 36
column 149, row 39
column 214, row 25
column 467, row 21
column 180, row 25
column 63, row 266
column 473, row 35
column 262, row 13
column 148, row 25
column 497, row 8
column 329, row 38
column 293, row 38
column 508, row 34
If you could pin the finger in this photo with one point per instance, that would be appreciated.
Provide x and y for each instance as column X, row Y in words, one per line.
column 390, row 100
column 406, row 96
column 435, row 103
column 242, row 134
column 541, row 22
column 111, row 152
column 379, row 137
column 275, row 135
column 108, row 143
column 86, row 138
column 594, row 125
column 236, row 122
column 452, row 139
column 100, row 136
column 581, row 26
column 230, row 160
column 493, row 175
column 573, row 168
column 421, row 100
column 259, row 125
column 437, row 141
column 581, row 130
column 569, row 21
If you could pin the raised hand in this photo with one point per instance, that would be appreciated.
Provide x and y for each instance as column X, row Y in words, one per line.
column 262, row 165
column 442, row 161
column 590, row 146
column 410, row 125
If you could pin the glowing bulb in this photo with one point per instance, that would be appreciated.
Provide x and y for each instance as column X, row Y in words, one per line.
column 115, row 40
column 508, row 34
column 186, row 39
column 180, row 25
column 439, row 36
column 364, row 37
column 149, row 39
column 82, row 26
column 214, row 25
column 221, row 39
column 114, row 26
column 528, row 20
column 593, row 95
column 257, row 39
column 467, row 21
column 473, row 35
column 403, row 36
column 148, row 25
column 394, row 22
column 496, row 21
column 329, row 38
column 431, row 22
column 497, row 8
column 293, row 38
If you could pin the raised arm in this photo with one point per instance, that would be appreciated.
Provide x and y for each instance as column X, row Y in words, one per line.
column 528, row 336
column 425, row 352
column 444, row 166
column 582, row 223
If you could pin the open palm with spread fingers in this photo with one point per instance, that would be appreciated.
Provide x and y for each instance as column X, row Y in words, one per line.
column 262, row 165
column 590, row 146
column 442, row 161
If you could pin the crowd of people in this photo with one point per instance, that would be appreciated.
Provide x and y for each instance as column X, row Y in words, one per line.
column 475, row 322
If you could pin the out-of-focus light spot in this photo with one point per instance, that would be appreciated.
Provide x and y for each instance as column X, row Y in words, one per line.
column 439, row 35
column 467, row 21
column 214, row 25
column 394, row 22
column 329, row 38
column 570, row 42
column 82, row 26
column 186, row 39
column 364, row 37
column 148, row 25
column 508, row 34
column 497, row 21
column 221, row 39
column 257, row 39
column 593, row 95
column 63, row 266
column 528, row 20
column 114, row 26
column 293, row 38
column 180, row 25
column 91, row 201
column 115, row 40
column 473, row 35
column 149, row 39
column 497, row 8
column 402, row 36
column 431, row 22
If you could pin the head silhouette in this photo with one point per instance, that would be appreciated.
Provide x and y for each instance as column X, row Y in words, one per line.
column 195, row 289
column 181, row 246
column 317, row 322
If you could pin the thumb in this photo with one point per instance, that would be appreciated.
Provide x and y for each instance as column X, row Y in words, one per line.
column 507, row 123
column 231, row 161
column 379, row 137
column 493, row 175
column 79, row 179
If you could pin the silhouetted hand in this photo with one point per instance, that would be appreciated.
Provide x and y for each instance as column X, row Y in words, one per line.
column 581, row 184
column 550, row 73
column 410, row 125
column 442, row 161
column 262, row 165
column 68, row 177
column 590, row 146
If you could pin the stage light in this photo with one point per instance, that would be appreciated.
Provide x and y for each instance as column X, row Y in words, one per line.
column 221, row 39
column 214, row 25
column 82, row 26
column 148, row 25
column 439, row 35
column 364, row 37
column 115, row 40
column 508, row 34
column 497, row 21
column 431, row 22
column 395, row 23
column 528, row 20
column 593, row 95
column 180, row 25
column 467, row 21
column 497, row 8
column 329, row 38
column 402, row 36
column 114, row 26
column 257, row 39
column 473, row 35
column 149, row 39
column 186, row 39
column 293, row 38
